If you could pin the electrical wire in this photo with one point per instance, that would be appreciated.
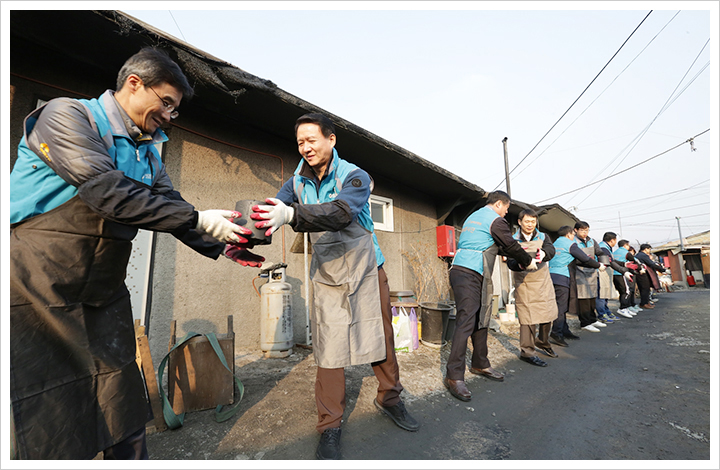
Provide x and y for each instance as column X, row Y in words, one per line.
column 671, row 99
column 626, row 169
column 598, row 97
column 178, row 26
column 576, row 99
column 649, row 197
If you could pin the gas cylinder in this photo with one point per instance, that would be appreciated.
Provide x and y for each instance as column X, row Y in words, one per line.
column 276, row 329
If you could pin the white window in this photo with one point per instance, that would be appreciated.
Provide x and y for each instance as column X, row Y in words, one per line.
column 381, row 211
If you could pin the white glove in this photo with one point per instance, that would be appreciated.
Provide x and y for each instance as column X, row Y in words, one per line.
column 532, row 266
column 628, row 275
column 276, row 215
column 542, row 256
column 602, row 267
column 216, row 224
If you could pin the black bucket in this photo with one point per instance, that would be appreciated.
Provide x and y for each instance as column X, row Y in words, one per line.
column 258, row 234
column 434, row 318
column 449, row 327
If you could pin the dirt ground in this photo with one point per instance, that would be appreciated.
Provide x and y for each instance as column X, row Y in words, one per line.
column 639, row 389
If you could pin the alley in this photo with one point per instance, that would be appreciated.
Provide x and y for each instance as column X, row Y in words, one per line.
column 639, row 389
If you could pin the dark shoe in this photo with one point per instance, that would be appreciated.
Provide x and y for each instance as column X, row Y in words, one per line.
column 570, row 335
column 548, row 351
column 559, row 340
column 490, row 373
column 399, row 414
column 534, row 360
column 329, row 446
column 458, row 389
column 647, row 306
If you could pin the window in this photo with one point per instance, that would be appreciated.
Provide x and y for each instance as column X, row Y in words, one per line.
column 381, row 211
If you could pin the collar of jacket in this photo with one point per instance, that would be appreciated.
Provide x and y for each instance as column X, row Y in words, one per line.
column 120, row 128
column 306, row 171
column 520, row 237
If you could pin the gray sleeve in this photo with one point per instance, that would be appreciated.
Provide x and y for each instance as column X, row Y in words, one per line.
column 65, row 140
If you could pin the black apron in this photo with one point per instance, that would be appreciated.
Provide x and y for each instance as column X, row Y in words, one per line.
column 74, row 383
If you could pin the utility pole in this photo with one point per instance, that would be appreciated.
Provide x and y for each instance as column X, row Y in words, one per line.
column 681, row 260
column 620, row 222
column 507, row 171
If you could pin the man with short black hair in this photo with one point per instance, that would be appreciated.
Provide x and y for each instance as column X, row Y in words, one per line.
column 587, row 280
column 534, row 293
column 563, row 273
column 606, row 278
column 352, row 320
column 649, row 277
column 484, row 232
column 87, row 177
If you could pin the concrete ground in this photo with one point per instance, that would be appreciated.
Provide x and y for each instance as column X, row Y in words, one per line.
column 639, row 389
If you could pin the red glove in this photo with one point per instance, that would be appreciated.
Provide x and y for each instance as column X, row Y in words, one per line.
column 239, row 254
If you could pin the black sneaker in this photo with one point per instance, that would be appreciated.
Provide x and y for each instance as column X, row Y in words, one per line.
column 399, row 414
column 329, row 446
column 569, row 335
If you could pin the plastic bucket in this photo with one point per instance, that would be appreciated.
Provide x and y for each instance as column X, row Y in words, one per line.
column 434, row 317
column 258, row 234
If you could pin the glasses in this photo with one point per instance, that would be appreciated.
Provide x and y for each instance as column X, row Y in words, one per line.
column 168, row 107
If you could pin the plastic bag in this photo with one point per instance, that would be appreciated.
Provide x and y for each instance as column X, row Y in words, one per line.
column 401, row 330
column 414, row 329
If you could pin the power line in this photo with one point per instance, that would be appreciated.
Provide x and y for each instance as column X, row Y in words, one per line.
column 178, row 26
column 671, row 99
column 576, row 100
column 626, row 169
column 598, row 97
column 650, row 197
column 657, row 212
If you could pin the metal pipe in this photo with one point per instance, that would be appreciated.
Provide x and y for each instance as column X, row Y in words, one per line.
column 507, row 171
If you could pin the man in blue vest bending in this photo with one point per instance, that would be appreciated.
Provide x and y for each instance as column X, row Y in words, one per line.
column 87, row 177
column 483, row 234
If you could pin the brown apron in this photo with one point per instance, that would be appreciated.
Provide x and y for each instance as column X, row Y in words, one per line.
column 587, row 278
column 74, row 384
column 534, row 291
column 347, row 326
column 607, row 288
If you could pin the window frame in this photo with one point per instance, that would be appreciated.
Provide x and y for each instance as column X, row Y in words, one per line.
column 387, row 225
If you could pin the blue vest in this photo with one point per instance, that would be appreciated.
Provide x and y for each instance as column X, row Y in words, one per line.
column 474, row 239
column 559, row 263
column 34, row 191
column 537, row 236
column 338, row 169
column 587, row 244
column 619, row 255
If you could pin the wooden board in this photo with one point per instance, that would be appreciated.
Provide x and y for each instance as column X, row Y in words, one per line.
column 144, row 362
column 197, row 380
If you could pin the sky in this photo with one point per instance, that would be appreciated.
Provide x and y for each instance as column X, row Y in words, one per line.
column 580, row 90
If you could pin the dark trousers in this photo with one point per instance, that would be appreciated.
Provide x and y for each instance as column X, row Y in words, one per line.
column 643, row 282
column 586, row 312
column 621, row 285
column 134, row 447
column 330, row 383
column 562, row 299
column 528, row 340
column 467, row 288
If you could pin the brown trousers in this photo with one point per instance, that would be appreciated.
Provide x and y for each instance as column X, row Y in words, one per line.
column 528, row 341
column 330, row 383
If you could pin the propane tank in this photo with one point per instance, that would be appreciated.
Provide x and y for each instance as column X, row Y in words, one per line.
column 276, row 329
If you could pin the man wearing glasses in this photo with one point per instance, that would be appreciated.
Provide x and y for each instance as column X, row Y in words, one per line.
column 87, row 177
